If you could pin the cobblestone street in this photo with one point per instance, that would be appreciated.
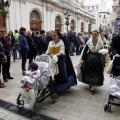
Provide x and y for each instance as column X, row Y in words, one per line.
column 76, row 104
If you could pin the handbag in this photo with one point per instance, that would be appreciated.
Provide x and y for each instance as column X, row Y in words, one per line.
column 109, row 67
column 79, row 74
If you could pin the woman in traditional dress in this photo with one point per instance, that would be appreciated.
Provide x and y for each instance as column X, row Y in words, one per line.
column 66, row 76
column 91, row 61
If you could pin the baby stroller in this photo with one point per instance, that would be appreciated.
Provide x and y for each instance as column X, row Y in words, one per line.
column 39, row 93
column 114, row 89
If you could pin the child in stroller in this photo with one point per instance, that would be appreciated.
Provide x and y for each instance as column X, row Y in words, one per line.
column 114, row 89
column 33, row 74
column 37, row 85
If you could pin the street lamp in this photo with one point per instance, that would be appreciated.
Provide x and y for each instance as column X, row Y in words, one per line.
column 4, row 8
column 67, row 17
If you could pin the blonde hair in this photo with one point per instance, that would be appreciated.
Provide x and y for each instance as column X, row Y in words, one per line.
column 29, row 31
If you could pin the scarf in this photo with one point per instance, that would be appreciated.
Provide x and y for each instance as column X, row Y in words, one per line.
column 97, row 47
column 23, row 34
column 92, row 48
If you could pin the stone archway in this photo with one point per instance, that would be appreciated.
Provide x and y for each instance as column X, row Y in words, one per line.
column 58, row 23
column 72, row 25
column 35, row 21
column 82, row 27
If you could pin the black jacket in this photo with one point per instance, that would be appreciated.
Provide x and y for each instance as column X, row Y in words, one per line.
column 72, row 38
column 115, row 45
column 41, row 43
column 48, row 39
column 32, row 48
column 6, row 50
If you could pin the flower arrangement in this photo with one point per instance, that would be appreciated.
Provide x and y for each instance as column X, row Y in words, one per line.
column 4, row 12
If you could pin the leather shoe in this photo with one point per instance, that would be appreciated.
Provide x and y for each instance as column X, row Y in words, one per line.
column 9, row 77
column 5, row 79
column 2, row 86
column 2, row 83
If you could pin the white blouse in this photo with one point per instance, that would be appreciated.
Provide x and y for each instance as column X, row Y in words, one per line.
column 60, row 45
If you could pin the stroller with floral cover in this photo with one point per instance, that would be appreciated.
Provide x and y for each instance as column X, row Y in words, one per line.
column 114, row 89
column 41, row 88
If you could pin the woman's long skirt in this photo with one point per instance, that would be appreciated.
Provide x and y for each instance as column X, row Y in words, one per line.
column 64, row 81
column 92, row 70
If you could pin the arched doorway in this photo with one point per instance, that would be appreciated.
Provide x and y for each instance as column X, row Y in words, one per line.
column 72, row 25
column 58, row 24
column 1, row 22
column 35, row 21
column 82, row 27
column 89, row 27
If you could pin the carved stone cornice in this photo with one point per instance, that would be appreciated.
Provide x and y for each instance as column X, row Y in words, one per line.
column 49, row 8
column 78, row 18
column 22, row 1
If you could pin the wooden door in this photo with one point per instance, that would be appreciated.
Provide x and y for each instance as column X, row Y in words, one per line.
column 73, row 28
column 58, row 27
column 35, row 25
column 1, row 22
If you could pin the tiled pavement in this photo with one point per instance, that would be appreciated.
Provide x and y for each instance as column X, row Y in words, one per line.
column 75, row 104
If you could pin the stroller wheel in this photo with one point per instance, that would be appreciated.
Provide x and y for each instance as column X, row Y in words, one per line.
column 36, row 109
column 93, row 92
column 109, row 108
column 55, row 98
column 21, row 104
column 106, row 108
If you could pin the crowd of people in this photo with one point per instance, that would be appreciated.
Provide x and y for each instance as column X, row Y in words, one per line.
column 28, row 44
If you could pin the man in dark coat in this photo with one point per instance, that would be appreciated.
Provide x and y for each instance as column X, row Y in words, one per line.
column 77, row 44
column 48, row 37
column 72, row 40
column 7, row 49
column 41, row 43
column 115, row 44
column 32, row 48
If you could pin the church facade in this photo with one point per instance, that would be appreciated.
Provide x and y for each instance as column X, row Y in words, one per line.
column 48, row 15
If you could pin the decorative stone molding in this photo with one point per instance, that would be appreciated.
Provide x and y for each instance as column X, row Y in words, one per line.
column 78, row 18
column 23, row 1
column 49, row 8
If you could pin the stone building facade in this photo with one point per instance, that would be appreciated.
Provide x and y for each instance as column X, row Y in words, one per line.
column 116, row 9
column 94, row 8
column 105, row 20
column 47, row 15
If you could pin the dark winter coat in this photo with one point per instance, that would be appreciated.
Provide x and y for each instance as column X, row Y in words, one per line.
column 115, row 45
column 32, row 48
column 23, row 43
column 41, row 43
column 6, row 45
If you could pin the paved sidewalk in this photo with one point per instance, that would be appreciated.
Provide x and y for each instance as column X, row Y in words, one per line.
column 75, row 104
